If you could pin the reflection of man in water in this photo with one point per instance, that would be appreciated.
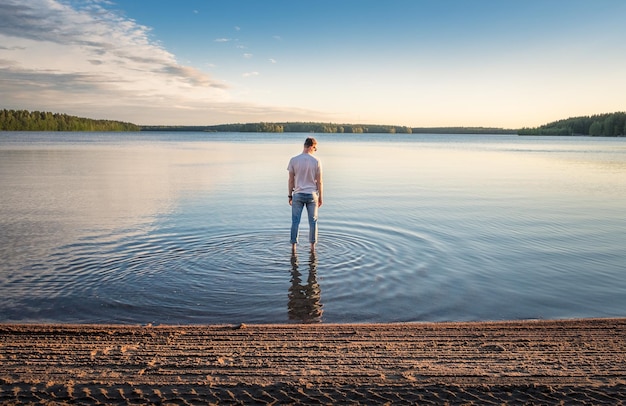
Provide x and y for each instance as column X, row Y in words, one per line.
column 304, row 300
column 305, row 189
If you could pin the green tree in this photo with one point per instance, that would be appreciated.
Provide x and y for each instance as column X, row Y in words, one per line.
column 608, row 129
column 595, row 129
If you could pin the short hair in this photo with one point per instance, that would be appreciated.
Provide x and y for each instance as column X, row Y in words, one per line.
column 309, row 142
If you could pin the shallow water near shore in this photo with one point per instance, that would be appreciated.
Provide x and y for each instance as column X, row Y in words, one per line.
column 179, row 228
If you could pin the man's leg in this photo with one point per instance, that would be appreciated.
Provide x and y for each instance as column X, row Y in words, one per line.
column 297, row 204
column 311, row 208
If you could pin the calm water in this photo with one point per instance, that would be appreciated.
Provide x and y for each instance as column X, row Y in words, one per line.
column 194, row 228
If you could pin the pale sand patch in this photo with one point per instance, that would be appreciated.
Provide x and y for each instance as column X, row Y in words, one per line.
column 547, row 362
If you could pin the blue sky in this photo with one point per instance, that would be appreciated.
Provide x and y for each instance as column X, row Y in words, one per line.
column 500, row 63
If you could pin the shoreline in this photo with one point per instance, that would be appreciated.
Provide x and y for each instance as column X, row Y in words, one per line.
column 487, row 362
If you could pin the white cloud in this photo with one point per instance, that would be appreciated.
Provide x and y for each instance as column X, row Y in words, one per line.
column 94, row 62
column 272, row 60
column 247, row 56
column 58, row 58
column 250, row 74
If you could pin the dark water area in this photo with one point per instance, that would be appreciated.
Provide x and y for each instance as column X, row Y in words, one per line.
column 179, row 228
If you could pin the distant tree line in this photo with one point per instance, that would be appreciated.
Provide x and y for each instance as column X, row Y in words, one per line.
column 462, row 130
column 23, row 120
column 307, row 127
column 297, row 127
column 601, row 125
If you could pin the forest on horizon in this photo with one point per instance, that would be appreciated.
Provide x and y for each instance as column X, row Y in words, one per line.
column 24, row 120
column 331, row 128
column 600, row 125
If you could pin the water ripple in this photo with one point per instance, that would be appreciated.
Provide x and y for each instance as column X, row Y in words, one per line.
column 369, row 266
column 205, row 275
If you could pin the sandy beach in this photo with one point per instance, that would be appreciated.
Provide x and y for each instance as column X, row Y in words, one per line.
column 516, row 362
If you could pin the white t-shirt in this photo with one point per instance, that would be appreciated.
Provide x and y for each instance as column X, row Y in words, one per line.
column 306, row 168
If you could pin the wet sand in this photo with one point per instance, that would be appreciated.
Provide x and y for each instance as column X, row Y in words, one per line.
column 482, row 363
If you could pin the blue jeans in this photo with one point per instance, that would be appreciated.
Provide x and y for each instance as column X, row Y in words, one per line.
column 297, row 205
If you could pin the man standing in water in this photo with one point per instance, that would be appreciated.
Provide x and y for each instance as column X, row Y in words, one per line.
column 305, row 189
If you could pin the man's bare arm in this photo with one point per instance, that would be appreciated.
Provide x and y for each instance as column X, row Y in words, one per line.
column 320, row 189
column 291, row 184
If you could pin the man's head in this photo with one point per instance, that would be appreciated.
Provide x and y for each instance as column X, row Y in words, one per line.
column 310, row 143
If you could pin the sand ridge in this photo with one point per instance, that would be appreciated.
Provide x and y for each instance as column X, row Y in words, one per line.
column 514, row 362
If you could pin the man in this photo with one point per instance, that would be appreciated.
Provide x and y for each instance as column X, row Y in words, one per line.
column 305, row 189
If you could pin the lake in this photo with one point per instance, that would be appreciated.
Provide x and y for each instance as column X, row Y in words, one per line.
column 193, row 228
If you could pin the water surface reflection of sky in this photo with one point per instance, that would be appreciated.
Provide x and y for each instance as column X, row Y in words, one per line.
column 194, row 228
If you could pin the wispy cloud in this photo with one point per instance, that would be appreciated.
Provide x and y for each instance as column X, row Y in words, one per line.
column 192, row 76
column 11, row 48
column 250, row 74
column 67, row 58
